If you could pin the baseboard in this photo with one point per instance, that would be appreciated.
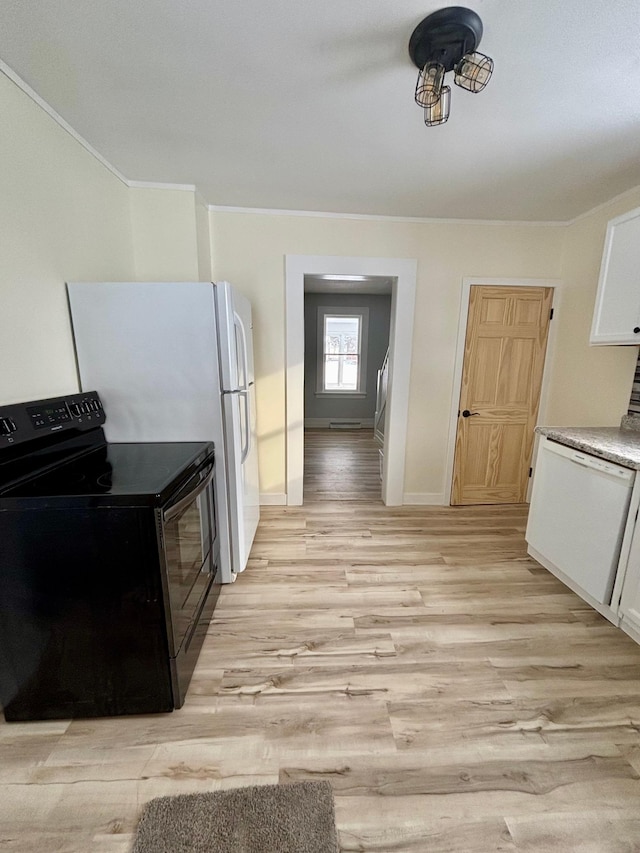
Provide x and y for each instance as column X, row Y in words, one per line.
column 424, row 499
column 342, row 423
column 273, row 499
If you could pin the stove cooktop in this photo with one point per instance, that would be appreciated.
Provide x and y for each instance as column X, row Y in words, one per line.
column 117, row 470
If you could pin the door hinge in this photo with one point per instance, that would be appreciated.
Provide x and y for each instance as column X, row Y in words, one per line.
column 530, row 471
column 551, row 314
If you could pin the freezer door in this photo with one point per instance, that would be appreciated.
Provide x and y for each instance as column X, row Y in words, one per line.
column 149, row 349
column 235, row 337
column 242, row 473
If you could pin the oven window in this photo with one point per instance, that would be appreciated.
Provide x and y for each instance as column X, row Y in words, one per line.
column 188, row 538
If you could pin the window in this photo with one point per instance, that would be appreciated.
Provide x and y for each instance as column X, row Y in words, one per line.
column 342, row 337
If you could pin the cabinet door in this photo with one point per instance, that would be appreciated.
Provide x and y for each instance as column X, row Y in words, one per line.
column 616, row 318
column 630, row 598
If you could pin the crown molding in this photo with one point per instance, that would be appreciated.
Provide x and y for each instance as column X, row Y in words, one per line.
column 156, row 185
column 10, row 74
column 603, row 205
column 48, row 109
column 372, row 217
column 35, row 97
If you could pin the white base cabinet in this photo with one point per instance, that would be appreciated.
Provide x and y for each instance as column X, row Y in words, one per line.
column 616, row 317
column 621, row 602
column 629, row 609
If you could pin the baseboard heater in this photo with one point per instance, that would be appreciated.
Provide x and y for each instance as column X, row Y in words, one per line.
column 345, row 425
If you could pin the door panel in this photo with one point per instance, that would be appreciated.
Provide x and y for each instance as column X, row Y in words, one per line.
column 502, row 372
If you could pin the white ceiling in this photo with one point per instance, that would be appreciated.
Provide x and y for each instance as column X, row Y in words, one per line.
column 309, row 106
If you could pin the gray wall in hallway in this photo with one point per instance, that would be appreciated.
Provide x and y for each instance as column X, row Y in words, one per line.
column 378, row 340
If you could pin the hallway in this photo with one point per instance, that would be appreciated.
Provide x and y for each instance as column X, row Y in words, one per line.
column 341, row 465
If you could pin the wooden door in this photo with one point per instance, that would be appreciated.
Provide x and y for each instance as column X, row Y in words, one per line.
column 504, row 355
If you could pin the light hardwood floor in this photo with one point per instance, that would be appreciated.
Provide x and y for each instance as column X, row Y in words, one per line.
column 456, row 695
column 341, row 465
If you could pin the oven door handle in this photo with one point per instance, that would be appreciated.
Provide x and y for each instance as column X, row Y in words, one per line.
column 177, row 508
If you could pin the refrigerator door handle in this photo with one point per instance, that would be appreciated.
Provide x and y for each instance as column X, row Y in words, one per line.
column 246, row 443
column 243, row 337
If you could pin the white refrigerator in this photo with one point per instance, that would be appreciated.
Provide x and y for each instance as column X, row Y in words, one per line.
column 173, row 361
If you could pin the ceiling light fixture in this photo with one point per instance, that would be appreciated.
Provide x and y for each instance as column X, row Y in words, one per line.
column 446, row 41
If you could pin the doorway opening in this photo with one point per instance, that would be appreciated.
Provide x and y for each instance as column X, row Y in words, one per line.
column 346, row 347
column 402, row 275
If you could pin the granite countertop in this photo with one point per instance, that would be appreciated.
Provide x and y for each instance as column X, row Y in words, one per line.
column 615, row 444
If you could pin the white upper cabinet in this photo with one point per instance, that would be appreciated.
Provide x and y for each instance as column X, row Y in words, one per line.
column 616, row 318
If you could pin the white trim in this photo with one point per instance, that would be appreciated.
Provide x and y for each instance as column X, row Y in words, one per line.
column 35, row 97
column 325, row 423
column 342, row 395
column 273, row 499
column 603, row 205
column 378, row 217
column 263, row 211
column 155, row 185
column 424, row 499
column 467, row 283
column 48, row 109
column 404, row 272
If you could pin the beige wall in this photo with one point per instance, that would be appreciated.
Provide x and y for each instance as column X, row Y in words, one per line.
column 203, row 240
column 590, row 386
column 63, row 216
column 249, row 250
column 164, row 231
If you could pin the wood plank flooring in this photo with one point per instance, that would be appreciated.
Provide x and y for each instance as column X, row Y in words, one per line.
column 456, row 695
column 341, row 465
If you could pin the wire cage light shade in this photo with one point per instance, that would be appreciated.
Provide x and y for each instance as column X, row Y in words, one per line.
column 429, row 85
column 444, row 41
column 438, row 113
column 473, row 72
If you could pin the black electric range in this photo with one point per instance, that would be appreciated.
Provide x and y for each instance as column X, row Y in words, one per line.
column 108, row 564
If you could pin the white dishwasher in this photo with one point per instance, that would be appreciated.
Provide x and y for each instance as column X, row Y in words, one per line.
column 577, row 518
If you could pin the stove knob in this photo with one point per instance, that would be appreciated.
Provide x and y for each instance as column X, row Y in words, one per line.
column 74, row 408
column 7, row 426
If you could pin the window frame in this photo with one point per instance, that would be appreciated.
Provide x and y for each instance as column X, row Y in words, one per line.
column 346, row 311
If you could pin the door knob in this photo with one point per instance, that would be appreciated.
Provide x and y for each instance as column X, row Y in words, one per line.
column 468, row 414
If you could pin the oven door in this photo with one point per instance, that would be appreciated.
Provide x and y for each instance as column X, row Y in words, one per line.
column 188, row 536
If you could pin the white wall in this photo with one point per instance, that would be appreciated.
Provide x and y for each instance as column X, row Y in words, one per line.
column 249, row 250
column 63, row 216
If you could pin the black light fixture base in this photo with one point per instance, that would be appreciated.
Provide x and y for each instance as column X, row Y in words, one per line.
column 445, row 36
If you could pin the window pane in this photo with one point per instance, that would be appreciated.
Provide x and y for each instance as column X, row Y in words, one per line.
column 350, row 372
column 331, row 372
column 341, row 372
column 341, row 352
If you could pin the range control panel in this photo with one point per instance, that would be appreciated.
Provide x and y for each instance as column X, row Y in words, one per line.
column 25, row 421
